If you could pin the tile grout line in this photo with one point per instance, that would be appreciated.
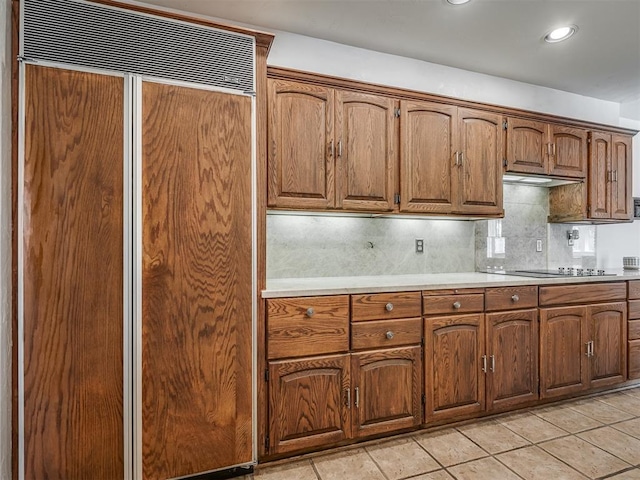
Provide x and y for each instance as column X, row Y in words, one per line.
column 544, row 451
column 376, row 463
column 611, row 453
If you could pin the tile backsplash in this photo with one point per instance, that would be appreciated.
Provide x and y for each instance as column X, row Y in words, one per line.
column 300, row 245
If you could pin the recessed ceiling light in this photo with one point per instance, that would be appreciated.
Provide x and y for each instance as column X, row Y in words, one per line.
column 457, row 2
column 560, row 34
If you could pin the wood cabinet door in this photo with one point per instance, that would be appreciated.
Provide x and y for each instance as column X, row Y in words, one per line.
column 387, row 386
column 607, row 329
column 563, row 349
column 453, row 363
column 481, row 144
column 600, row 175
column 309, row 403
column 512, row 351
column 196, row 280
column 73, row 274
column 527, row 142
column 300, row 151
column 621, row 191
column 569, row 151
column 428, row 134
column 366, row 151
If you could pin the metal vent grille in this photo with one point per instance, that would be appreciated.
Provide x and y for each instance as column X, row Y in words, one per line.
column 92, row 35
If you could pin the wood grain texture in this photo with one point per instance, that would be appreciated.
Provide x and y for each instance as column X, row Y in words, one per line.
column 308, row 402
column 301, row 146
column 527, row 142
column 196, row 297
column 634, row 289
column 569, row 158
column 568, row 203
column 607, row 329
column 512, row 346
column 454, row 381
column 480, row 175
column 510, row 298
column 375, row 334
column 293, row 330
column 428, row 137
column 452, row 291
column 374, row 307
column 563, row 338
column 582, row 293
column 366, row 151
column 634, row 309
column 634, row 359
column 73, row 320
column 446, row 304
column 621, row 165
column 634, row 330
column 600, row 175
column 387, row 387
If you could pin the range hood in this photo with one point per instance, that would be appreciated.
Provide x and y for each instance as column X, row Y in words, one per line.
column 536, row 180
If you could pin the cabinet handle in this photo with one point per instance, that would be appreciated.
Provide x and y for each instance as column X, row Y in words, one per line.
column 549, row 149
column 348, row 390
column 331, row 148
column 357, row 400
column 588, row 345
column 389, row 306
column 493, row 363
column 484, row 363
column 390, row 335
column 461, row 158
column 591, row 348
column 609, row 176
column 615, row 176
column 457, row 305
column 457, row 159
column 515, row 298
column 340, row 148
column 554, row 149
column 310, row 312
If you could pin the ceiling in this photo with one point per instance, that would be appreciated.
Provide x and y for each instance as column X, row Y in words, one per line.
column 496, row 37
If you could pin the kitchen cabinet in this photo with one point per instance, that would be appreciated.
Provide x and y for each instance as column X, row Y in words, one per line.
column 633, row 349
column 537, row 147
column 330, row 148
column 450, row 159
column 582, row 345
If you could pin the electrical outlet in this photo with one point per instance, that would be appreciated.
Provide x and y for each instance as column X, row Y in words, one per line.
column 419, row 245
column 538, row 245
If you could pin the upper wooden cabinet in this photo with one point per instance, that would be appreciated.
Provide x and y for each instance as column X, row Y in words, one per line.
column 546, row 148
column 312, row 165
column 450, row 159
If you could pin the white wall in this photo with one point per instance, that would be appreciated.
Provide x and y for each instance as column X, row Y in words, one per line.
column 5, row 240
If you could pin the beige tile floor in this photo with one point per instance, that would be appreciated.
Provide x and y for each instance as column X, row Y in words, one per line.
column 592, row 438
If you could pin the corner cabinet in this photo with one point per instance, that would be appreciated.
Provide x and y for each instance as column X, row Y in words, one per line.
column 450, row 160
column 330, row 148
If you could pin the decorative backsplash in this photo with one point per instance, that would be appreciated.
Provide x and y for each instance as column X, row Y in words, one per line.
column 303, row 245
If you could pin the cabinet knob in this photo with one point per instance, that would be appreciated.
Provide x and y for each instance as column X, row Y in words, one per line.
column 390, row 335
column 515, row 298
column 457, row 305
column 310, row 312
column 389, row 306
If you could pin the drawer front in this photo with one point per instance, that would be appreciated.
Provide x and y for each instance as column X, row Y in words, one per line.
column 446, row 304
column 300, row 327
column 511, row 298
column 634, row 329
column 385, row 305
column 634, row 309
column 582, row 293
column 386, row 333
column 634, row 290
column 634, row 359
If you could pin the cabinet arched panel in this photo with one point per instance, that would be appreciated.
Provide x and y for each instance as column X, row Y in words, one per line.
column 607, row 328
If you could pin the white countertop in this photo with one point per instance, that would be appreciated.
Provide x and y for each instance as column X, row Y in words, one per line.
column 302, row 287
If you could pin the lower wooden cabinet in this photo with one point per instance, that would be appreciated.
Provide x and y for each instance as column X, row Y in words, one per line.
column 387, row 390
column 324, row 400
column 582, row 347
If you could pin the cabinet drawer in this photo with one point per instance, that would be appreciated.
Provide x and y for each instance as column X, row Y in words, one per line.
column 300, row 327
column 582, row 293
column 634, row 359
column 386, row 333
column 634, row 309
column 385, row 305
column 634, row 329
column 511, row 298
column 438, row 304
column 634, row 290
